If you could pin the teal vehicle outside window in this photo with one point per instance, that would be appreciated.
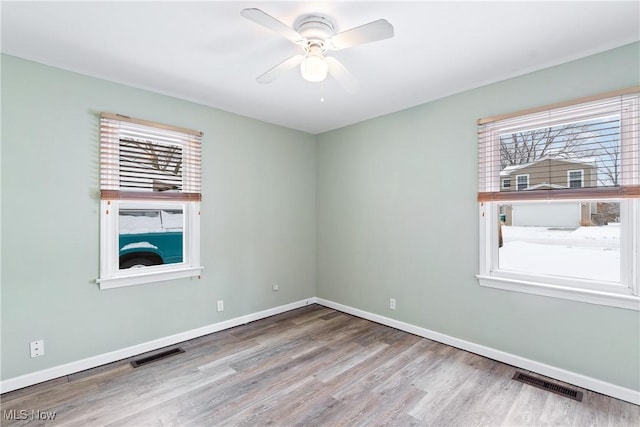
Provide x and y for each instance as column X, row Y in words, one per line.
column 150, row 237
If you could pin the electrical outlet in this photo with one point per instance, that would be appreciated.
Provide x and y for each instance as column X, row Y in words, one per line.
column 392, row 303
column 275, row 288
column 220, row 305
column 37, row 348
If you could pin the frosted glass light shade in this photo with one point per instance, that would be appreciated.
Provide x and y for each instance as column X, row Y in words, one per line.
column 314, row 68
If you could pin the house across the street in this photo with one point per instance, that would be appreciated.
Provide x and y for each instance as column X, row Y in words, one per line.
column 552, row 171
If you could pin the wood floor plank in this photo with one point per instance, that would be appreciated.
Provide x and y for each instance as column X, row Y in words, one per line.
column 623, row 414
column 256, row 412
column 28, row 391
column 462, row 395
column 527, row 408
column 405, row 372
column 377, row 377
column 595, row 411
column 442, row 383
column 314, row 366
column 340, row 367
column 360, row 411
column 488, row 401
column 396, row 405
column 558, row 410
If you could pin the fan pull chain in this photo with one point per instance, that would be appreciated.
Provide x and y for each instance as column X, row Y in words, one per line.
column 322, row 91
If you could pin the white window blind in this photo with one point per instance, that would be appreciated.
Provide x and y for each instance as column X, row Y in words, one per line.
column 146, row 160
column 598, row 136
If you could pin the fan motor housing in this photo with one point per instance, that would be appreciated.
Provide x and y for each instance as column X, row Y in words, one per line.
column 315, row 27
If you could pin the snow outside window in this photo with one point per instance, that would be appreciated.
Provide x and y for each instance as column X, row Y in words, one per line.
column 572, row 230
column 150, row 202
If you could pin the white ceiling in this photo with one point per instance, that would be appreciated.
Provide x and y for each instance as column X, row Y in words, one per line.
column 207, row 53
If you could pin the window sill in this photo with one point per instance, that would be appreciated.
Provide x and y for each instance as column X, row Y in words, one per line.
column 628, row 302
column 148, row 277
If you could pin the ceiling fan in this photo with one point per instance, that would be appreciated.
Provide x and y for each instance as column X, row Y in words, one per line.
column 315, row 33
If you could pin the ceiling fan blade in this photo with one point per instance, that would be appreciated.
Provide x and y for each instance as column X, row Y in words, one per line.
column 280, row 69
column 271, row 23
column 371, row 32
column 342, row 75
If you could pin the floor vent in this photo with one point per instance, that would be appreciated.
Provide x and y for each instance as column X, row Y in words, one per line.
column 155, row 357
column 546, row 385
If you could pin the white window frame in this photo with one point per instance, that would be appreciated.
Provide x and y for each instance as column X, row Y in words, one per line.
column 116, row 194
column 111, row 276
column 625, row 294
column 581, row 177
column 526, row 175
column 505, row 180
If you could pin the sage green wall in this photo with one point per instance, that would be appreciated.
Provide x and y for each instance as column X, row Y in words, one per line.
column 397, row 217
column 258, row 220
column 385, row 208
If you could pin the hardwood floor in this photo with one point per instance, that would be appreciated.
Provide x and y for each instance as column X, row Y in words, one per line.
column 312, row 366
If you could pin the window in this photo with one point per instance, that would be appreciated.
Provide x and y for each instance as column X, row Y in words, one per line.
column 575, row 178
column 506, row 183
column 150, row 202
column 573, row 229
column 522, row 182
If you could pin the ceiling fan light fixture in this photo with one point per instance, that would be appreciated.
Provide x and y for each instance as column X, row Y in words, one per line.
column 314, row 68
column 316, row 34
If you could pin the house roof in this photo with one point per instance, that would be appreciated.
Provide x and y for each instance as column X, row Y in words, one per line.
column 587, row 161
column 545, row 185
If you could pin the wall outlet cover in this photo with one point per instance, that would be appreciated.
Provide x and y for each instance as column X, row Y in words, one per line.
column 37, row 348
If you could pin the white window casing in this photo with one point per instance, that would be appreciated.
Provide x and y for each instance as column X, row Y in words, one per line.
column 148, row 166
column 111, row 276
column 624, row 107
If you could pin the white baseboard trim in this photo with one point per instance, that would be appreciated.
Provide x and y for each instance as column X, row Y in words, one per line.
column 579, row 380
column 113, row 356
